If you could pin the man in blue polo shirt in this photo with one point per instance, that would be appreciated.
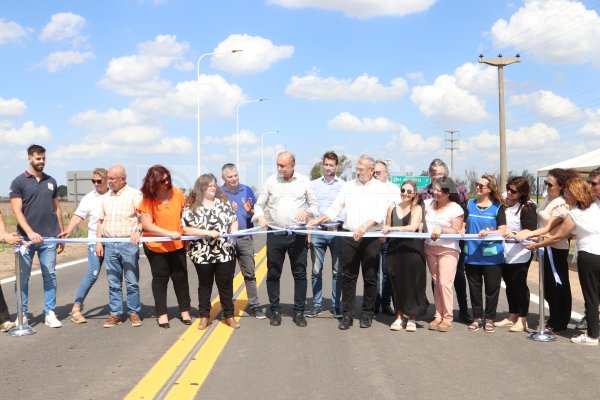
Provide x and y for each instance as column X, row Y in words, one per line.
column 34, row 202
column 242, row 200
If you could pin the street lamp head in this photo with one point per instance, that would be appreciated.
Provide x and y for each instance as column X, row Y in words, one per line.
column 236, row 50
column 518, row 55
column 481, row 56
column 500, row 55
column 262, row 99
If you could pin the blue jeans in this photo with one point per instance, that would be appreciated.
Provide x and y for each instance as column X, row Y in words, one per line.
column 47, row 256
column 318, row 247
column 91, row 275
column 384, row 289
column 122, row 259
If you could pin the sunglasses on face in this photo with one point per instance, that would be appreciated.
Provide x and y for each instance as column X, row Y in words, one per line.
column 480, row 186
column 512, row 191
column 550, row 185
column 594, row 184
column 96, row 181
column 408, row 191
column 164, row 181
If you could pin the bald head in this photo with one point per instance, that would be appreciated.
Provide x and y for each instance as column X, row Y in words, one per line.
column 285, row 165
column 117, row 177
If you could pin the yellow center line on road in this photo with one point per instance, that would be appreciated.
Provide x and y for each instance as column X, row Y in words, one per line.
column 152, row 383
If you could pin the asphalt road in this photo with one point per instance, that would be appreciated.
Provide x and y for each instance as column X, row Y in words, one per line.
column 287, row 362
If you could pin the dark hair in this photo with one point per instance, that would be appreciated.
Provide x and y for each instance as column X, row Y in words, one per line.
column 194, row 199
column 581, row 192
column 594, row 173
column 152, row 181
column 35, row 148
column 562, row 176
column 436, row 162
column 448, row 186
column 331, row 156
column 522, row 185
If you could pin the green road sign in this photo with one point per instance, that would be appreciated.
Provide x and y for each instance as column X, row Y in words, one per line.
column 421, row 181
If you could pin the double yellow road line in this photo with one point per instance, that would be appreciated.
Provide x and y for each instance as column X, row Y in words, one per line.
column 181, row 371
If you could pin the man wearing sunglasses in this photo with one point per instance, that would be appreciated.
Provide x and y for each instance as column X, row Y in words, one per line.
column 594, row 181
column 439, row 169
column 89, row 206
column 384, row 289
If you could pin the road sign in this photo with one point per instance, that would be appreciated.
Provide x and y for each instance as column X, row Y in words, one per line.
column 421, row 181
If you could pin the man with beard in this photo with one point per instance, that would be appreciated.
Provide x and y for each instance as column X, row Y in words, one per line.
column 34, row 202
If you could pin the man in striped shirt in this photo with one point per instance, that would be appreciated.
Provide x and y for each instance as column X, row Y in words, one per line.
column 119, row 219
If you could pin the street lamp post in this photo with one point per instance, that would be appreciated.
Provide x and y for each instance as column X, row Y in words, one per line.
column 237, row 130
column 198, row 101
column 500, row 63
column 262, row 158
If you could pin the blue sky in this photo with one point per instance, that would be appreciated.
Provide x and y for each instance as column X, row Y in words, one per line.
column 101, row 83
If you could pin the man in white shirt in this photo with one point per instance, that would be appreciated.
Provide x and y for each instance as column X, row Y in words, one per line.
column 384, row 289
column 365, row 204
column 287, row 199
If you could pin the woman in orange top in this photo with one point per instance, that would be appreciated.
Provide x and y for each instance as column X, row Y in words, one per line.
column 161, row 210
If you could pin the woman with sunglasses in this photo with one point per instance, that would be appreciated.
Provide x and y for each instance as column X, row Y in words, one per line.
column 483, row 260
column 583, row 221
column 550, row 215
column 89, row 207
column 520, row 214
column 208, row 213
column 406, row 260
column 443, row 215
column 161, row 210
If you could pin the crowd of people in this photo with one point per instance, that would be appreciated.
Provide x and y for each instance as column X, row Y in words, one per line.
column 393, row 267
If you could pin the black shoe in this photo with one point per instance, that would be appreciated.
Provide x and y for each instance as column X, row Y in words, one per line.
column 186, row 321
column 387, row 310
column 299, row 319
column 314, row 312
column 345, row 323
column 164, row 325
column 275, row 318
column 365, row 322
column 582, row 324
column 463, row 316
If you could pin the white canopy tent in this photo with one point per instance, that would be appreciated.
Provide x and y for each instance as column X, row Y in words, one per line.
column 583, row 163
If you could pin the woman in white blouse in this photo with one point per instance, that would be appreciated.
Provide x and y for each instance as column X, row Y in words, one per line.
column 443, row 215
column 583, row 221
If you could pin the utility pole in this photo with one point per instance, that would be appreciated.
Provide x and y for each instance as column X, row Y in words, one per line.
column 500, row 63
column 452, row 148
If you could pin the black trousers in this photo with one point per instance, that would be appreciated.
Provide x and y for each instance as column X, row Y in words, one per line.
column 558, row 296
column 491, row 277
column 295, row 246
column 172, row 264
column 4, row 314
column 460, row 282
column 355, row 254
column 588, row 268
column 517, row 291
column 221, row 273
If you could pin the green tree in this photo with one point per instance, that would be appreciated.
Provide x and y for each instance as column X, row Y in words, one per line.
column 62, row 192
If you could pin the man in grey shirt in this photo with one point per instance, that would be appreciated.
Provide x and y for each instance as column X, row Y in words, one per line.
column 287, row 199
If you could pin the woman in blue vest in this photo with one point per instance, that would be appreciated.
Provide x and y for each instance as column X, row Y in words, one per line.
column 483, row 261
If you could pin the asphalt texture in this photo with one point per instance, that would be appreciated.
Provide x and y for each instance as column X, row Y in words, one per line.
column 288, row 362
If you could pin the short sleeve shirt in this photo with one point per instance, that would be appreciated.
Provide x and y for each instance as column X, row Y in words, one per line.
column 555, row 208
column 90, row 207
column 219, row 218
column 240, row 196
column 167, row 215
column 38, row 203
column 444, row 219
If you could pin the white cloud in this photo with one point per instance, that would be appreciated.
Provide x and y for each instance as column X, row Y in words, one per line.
column 11, row 32
column 258, row 54
column 348, row 122
column 246, row 137
column 548, row 105
column 64, row 26
column 590, row 129
column 477, row 78
column 94, row 121
column 25, row 135
column 524, row 138
column 362, row 9
column 414, row 143
column 139, row 74
column 446, row 102
column 12, row 108
column 364, row 87
column 218, row 99
column 557, row 31
column 64, row 59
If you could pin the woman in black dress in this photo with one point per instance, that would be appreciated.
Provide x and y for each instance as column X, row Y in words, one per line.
column 406, row 260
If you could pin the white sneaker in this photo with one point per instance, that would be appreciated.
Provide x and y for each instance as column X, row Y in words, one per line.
column 52, row 321
column 411, row 325
column 7, row 326
column 584, row 339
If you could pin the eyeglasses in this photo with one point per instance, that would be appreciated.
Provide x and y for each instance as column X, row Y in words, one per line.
column 480, row 186
column 550, row 185
column 113, row 178
column 96, row 181
column 164, row 181
column 408, row 191
column 377, row 173
column 594, row 184
column 512, row 191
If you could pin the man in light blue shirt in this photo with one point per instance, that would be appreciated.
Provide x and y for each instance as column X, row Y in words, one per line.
column 326, row 189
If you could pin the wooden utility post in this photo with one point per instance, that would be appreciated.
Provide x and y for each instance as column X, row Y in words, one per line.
column 500, row 62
